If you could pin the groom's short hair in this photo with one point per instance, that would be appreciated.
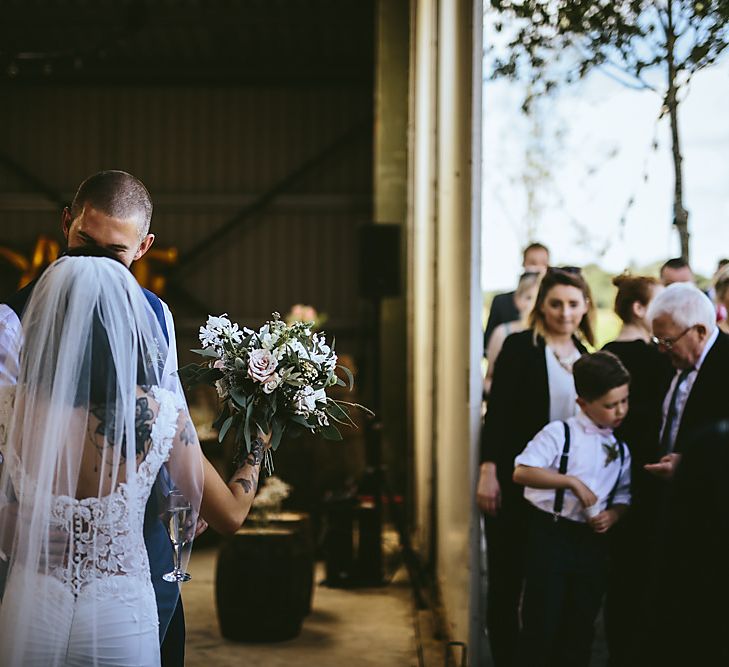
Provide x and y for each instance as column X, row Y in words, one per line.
column 117, row 194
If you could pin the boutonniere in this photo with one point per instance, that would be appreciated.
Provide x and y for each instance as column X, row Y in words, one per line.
column 611, row 452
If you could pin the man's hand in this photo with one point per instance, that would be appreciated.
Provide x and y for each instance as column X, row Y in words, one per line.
column 488, row 491
column 604, row 521
column 666, row 467
column 583, row 493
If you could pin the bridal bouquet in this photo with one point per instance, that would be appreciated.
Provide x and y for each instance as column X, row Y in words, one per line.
column 271, row 380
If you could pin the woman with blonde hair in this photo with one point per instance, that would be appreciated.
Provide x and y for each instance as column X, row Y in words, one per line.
column 532, row 385
column 524, row 298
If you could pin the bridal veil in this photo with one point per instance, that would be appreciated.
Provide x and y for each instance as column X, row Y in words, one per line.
column 77, row 432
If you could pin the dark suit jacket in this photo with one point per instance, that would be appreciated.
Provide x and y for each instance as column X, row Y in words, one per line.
column 518, row 406
column 503, row 309
column 708, row 401
column 696, row 552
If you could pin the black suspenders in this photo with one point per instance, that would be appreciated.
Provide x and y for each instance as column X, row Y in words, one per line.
column 559, row 493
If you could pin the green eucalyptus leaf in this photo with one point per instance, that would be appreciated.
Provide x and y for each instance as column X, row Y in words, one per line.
column 301, row 420
column 225, row 428
column 206, row 352
column 220, row 419
column 331, row 432
column 278, row 429
column 349, row 375
column 239, row 398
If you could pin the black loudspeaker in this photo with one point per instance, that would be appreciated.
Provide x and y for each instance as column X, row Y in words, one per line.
column 379, row 261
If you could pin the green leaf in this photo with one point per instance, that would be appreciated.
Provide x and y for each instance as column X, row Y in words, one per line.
column 331, row 432
column 349, row 375
column 335, row 409
column 194, row 374
column 239, row 398
column 224, row 429
column 299, row 419
column 247, row 426
column 220, row 419
column 206, row 352
column 279, row 428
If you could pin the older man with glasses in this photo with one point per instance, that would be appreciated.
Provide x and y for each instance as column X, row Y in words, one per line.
column 684, row 328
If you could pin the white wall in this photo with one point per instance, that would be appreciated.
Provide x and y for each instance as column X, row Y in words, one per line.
column 444, row 293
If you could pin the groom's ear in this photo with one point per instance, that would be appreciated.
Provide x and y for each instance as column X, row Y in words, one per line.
column 66, row 221
column 145, row 245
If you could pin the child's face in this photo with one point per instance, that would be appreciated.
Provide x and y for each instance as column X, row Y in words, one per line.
column 610, row 409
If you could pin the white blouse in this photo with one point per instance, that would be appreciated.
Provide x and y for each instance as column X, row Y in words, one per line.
column 562, row 394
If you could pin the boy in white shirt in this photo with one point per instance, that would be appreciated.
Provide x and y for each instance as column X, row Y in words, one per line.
column 576, row 476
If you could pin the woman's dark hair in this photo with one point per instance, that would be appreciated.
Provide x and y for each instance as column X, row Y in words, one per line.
column 570, row 277
column 597, row 373
column 630, row 290
column 101, row 371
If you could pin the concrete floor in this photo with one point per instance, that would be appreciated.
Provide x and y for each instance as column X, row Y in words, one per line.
column 368, row 627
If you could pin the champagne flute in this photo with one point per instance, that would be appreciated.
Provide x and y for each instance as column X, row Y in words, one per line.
column 178, row 518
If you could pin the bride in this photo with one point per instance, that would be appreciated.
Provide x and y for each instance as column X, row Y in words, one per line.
column 86, row 436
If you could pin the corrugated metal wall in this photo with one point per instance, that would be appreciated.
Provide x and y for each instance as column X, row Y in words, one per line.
column 204, row 153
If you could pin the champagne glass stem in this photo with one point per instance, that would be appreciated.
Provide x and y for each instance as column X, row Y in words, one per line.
column 178, row 558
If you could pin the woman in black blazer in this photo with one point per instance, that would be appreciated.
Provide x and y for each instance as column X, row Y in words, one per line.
column 532, row 386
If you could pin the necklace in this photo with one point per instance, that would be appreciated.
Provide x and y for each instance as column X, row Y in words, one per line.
column 568, row 361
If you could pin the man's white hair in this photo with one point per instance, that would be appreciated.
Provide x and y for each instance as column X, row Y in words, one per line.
column 685, row 304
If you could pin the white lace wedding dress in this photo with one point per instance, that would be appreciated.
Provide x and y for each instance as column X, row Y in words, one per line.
column 97, row 607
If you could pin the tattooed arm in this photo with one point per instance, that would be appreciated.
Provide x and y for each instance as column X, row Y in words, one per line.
column 226, row 506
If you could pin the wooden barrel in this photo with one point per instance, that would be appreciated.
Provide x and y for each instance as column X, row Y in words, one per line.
column 259, row 585
column 300, row 524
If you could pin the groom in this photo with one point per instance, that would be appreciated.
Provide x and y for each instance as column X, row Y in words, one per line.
column 112, row 210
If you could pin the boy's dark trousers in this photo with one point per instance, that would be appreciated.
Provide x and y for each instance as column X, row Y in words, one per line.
column 566, row 575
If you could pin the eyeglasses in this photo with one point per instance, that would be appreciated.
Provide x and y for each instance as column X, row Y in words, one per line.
column 668, row 343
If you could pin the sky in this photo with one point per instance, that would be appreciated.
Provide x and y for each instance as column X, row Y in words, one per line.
column 597, row 139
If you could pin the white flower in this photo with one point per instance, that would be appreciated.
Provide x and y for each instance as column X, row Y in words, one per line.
column 271, row 385
column 298, row 349
column 234, row 334
column 209, row 337
column 217, row 328
column 269, row 340
column 304, row 401
column 261, row 365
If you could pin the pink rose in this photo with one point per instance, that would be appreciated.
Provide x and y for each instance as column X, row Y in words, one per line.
column 261, row 365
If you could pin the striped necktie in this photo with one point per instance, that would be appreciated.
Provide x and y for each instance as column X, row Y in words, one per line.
column 666, row 444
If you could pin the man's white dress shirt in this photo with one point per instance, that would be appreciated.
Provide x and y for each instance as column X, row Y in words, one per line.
column 683, row 392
